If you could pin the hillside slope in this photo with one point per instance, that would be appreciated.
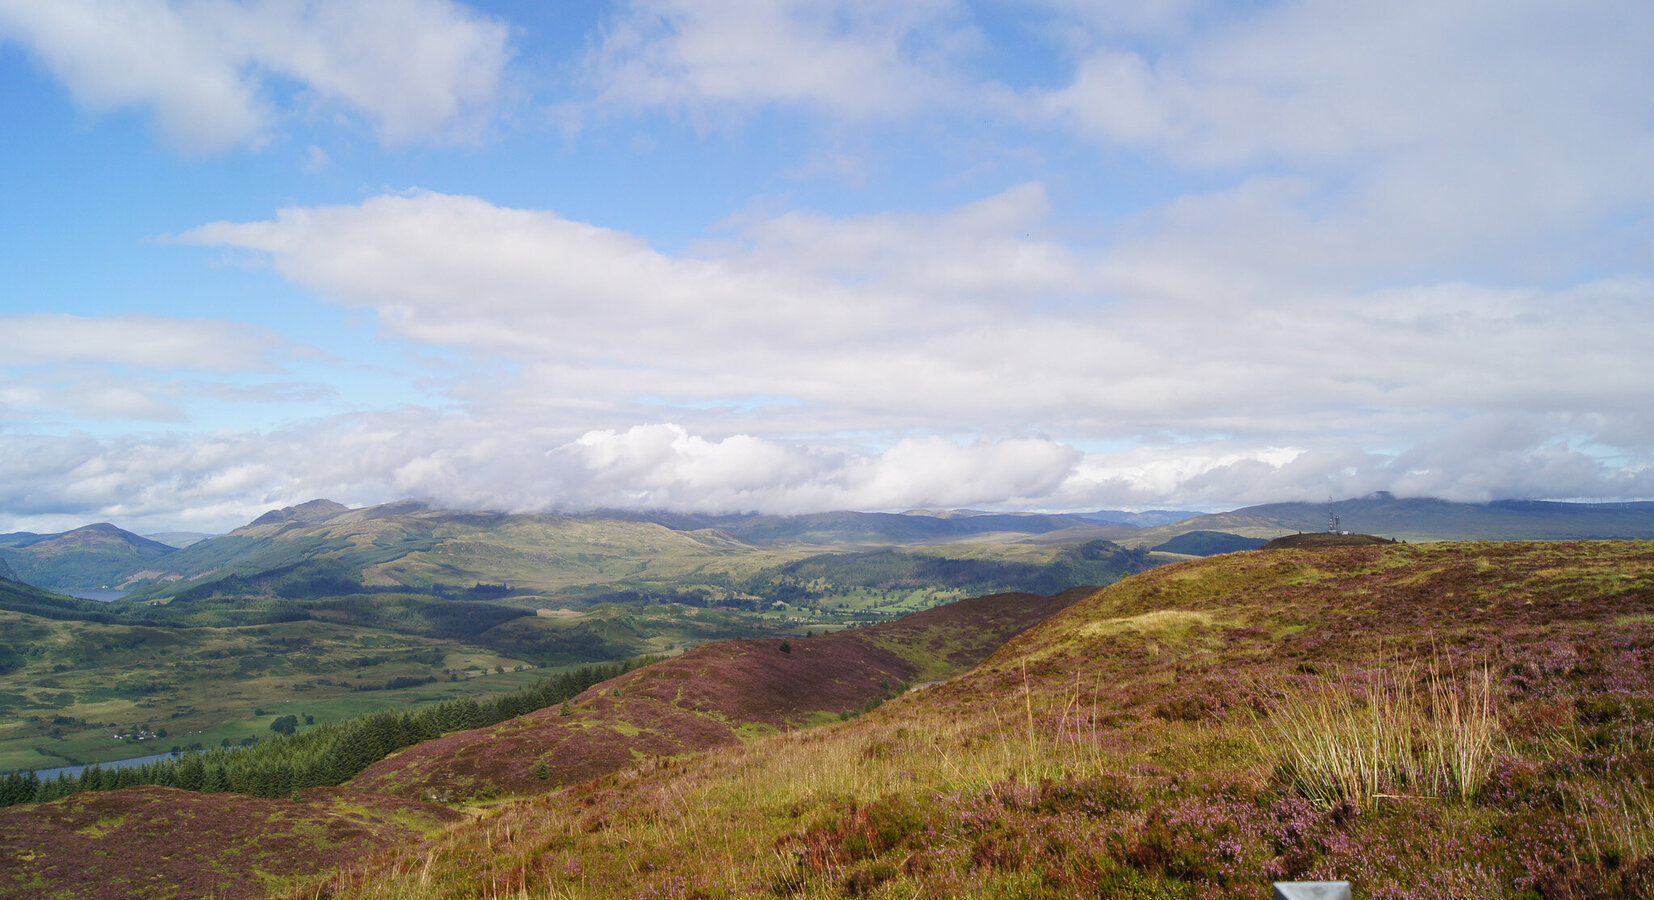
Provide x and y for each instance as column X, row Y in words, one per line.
column 1160, row 738
column 161, row 842
column 709, row 697
column 404, row 544
column 92, row 557
column 16, row 596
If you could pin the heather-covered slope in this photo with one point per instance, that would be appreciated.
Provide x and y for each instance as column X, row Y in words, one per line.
column 709, row 697
column 1489, row 709
column 160, row 842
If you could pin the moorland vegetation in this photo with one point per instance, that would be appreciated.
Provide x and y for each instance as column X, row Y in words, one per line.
column 1165, row 737
column 1443, row 720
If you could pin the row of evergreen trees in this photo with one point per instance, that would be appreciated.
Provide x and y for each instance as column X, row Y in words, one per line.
column 328, row 754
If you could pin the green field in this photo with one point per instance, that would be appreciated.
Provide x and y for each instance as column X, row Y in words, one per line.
column 81, row 684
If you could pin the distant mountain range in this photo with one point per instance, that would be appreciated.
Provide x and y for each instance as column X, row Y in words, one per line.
column 1427, row 519
column 409, row 544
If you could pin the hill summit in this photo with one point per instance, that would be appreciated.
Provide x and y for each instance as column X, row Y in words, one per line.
column 1325, row 539
column 91, row 556
column 313, row 512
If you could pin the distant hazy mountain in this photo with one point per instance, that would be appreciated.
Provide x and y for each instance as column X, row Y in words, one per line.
column 836, row 529
column 1148, row 518
column 408, row 543
column 1427, row 519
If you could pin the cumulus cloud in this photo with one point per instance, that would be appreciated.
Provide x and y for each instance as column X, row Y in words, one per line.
column 225, row 479
column 666, row 466
column 219, row 481
column 798, row 332
column 214, row 71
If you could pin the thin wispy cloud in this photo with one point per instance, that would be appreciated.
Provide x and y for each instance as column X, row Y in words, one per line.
column 858, row 60
column 217, row 74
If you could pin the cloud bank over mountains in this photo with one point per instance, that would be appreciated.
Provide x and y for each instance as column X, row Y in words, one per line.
column 1033, row 256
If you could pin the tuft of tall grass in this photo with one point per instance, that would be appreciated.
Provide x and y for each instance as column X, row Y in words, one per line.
column 1618, row 821
column 1396, row 731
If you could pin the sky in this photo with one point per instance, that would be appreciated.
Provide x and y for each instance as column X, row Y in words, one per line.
column 785, row 257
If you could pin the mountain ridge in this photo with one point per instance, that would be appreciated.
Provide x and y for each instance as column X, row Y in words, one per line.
column 75, row 561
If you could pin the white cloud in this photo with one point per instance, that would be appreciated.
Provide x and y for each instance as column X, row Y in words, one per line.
column 73, row 371
column 224, row 480
column 1371, row 140
column 802, row 327
column 213, row 70
column 856, row 59
column 89, row 396
column 157, row 343
column 1320, row 82
column 666, row 466
column 1307, row 248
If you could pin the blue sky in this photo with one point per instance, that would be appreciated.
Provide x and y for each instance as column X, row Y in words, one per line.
column 789, row 256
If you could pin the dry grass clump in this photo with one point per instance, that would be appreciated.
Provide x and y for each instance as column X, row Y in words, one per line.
column 1393, row 731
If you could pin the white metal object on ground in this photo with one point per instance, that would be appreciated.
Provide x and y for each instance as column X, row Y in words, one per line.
column 1312, row 890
